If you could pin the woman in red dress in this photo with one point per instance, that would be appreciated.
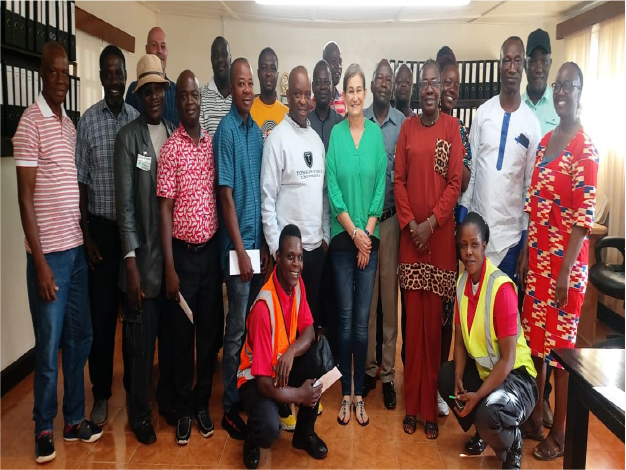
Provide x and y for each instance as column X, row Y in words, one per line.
column 427, row 183
column 561, row 202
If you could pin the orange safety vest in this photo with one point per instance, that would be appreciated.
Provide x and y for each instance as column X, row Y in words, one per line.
column 280, row 339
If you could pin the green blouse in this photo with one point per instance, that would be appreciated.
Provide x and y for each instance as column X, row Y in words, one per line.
column 356, row 177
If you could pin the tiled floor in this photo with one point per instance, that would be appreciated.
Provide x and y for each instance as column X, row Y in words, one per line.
column 382, row 444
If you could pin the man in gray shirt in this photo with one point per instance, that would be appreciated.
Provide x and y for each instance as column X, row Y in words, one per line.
column 323, row 118
column 390, row 121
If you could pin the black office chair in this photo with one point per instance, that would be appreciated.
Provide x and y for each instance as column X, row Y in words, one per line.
column 608, row 278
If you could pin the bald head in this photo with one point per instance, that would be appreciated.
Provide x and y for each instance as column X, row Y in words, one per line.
column 403, row 86
column 295, row 72
column 188, row 101
column 157, row 44
column 299, row 95
column 55, row 75
column 238, row 65
column 242, row 86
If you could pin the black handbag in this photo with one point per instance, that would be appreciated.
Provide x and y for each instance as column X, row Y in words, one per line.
column 324, row 360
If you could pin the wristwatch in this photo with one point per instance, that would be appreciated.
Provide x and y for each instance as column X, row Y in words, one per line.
column 367, row 233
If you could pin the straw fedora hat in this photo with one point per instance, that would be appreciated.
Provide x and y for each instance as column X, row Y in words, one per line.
column 150, row 70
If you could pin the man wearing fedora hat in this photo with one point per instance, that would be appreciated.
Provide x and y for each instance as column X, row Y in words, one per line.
column 145, row 315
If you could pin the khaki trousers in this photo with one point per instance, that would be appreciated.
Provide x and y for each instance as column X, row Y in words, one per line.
column 386, row 285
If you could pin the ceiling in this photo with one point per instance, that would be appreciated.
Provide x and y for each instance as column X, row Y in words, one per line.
column 501, row 12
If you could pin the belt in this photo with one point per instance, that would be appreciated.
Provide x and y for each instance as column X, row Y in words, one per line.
column 387, row 214
column 191, row 247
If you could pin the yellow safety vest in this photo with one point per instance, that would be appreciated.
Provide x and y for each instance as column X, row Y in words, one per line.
column 482, row 343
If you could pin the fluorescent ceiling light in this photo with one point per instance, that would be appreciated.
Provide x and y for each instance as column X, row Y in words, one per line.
column 366, row 3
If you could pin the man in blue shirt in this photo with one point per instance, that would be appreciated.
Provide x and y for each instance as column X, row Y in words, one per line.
column 238, row 148
column 157, row 45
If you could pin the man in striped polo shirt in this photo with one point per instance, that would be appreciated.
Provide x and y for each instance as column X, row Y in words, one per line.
column 44, row 145
column 215, row 95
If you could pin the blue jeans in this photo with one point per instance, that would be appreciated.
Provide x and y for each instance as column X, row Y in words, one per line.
column 64, row 322
column 241, row 295
column 354, row 289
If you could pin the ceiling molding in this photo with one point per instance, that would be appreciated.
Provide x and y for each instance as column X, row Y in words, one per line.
column 232, row 14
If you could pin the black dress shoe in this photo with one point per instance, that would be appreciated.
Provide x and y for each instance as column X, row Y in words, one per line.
column 183, row 430
column 251, row 454
column 313, row 445
column 514, row 455
column 369, row 385
column 475, row 446
column 389, row 395
column 145, row 433
column 205, row 423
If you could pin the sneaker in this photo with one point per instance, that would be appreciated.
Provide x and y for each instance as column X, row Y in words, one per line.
column 442, row 406
column 234, row 425
column 44, row 447
column 85, row 431
column 205, row 423
column 99, row 412
column 183, row 430
column 286, row 417
column 145, row 433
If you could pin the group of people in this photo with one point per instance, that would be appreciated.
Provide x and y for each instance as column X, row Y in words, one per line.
column 169, row 193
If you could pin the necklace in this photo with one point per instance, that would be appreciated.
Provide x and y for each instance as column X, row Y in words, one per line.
column 432, row 123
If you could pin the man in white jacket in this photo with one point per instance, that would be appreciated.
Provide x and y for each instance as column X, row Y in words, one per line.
column 293, row 191
column 293, row 184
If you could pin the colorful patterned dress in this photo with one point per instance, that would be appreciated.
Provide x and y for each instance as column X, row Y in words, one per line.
column 562, row 194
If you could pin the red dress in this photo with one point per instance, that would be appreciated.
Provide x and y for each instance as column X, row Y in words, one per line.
column 562, row 194
column 427, row 180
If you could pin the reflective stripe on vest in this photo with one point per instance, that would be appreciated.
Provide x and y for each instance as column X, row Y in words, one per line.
column 244, row 373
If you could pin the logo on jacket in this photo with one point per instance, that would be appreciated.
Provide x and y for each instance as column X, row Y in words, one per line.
column 308, row 159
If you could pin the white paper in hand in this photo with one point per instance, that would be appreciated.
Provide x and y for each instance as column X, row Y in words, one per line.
column 183, row 304
column 255, row 259
column 328, row 379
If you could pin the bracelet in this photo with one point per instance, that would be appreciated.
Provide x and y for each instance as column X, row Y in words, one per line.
column 354, row 233
column 431, row 226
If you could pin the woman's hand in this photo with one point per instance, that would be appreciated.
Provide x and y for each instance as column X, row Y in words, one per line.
column 413, row 232
column 562, row 287
column 362, row 259
column 423, row 232
column 362, row 241
column 470, row 399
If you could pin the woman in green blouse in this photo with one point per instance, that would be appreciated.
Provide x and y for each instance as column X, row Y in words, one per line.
column 355, row 170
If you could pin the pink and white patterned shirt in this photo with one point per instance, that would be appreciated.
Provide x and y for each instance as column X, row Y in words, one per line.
column 186, row 173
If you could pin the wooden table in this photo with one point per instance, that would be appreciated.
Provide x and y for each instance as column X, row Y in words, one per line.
column 590, row 369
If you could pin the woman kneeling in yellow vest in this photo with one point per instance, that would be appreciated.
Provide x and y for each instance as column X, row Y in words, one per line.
column 491, row 382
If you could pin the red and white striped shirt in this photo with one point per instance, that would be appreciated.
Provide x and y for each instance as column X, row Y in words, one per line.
column 45, row 142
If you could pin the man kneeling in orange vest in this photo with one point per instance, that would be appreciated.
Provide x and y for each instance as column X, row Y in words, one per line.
column 277, row 360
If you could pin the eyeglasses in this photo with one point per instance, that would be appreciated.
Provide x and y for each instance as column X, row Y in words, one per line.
column 433, row 83
column 567, row 86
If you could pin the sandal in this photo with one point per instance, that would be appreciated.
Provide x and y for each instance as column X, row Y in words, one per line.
column 409, row 424
column 359, row 409
column 532, row 431
column 431, row 430
column 343, row 412
column 543, row 451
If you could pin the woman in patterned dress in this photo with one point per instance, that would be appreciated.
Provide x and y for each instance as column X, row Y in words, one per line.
column 450, row 86
column 561, row 202
column 427, row 182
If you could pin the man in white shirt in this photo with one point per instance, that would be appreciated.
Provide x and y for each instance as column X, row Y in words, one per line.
column 504, row 138
column 215, row 95
column 293, row 184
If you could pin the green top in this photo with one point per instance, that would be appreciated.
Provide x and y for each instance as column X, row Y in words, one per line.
column 544, row 110
column 356, row 177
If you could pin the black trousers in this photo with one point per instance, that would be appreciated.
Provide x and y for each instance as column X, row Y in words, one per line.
column 312, row 276
column 328, row 300
column 498, row 415
column 104, row 299
column 141, row 329
column 199, row 275
column 263, row 422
